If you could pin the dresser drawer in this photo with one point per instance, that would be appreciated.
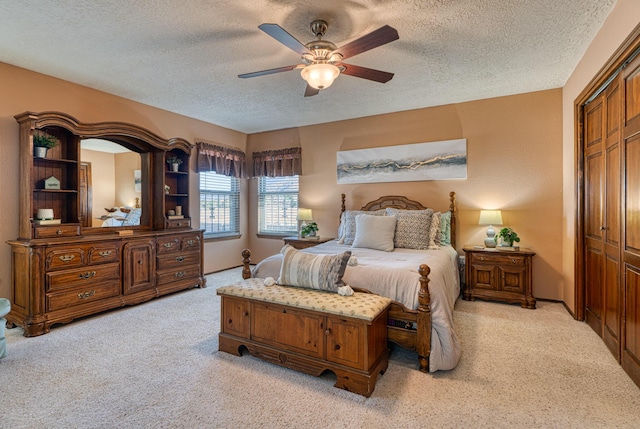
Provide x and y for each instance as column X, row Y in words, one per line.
column 168, row 244
column 104, row 253
column 65, row 257
column 178, row 274
column 178, row 260
column 178, row 223
column 82, row 276
column 53, row 231
column 59, row 257
column 190, row 242
column 499, row 259
column 82, row 295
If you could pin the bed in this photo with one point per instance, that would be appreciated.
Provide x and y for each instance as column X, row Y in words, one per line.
column 424, row 284
column 122, row 216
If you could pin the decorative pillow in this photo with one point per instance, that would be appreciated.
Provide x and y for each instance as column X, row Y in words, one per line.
column 445, row 229
column 347, row 230
column 323, row 272
column 412, row 228
column 434, row 231
column 375, row 232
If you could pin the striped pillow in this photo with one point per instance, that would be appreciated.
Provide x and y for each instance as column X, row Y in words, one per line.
column 323, row 272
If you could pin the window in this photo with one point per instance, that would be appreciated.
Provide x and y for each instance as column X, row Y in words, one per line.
column 278, row 205
column 219, row 204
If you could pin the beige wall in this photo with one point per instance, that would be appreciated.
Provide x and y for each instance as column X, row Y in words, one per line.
column 619, row 24
column 22, row 90
column 514, row 155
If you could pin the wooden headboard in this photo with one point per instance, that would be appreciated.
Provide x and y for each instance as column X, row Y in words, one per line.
column 404, row 203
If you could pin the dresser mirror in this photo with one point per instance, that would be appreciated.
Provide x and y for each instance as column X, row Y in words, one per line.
column 111, row 185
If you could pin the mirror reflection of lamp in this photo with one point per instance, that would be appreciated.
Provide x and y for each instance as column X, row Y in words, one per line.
column 304, row 215
column 490, row 217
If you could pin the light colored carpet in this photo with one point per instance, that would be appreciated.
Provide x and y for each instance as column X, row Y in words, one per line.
column 156, row 365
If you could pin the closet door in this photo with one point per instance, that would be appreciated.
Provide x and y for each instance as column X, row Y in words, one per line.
column 602, row 161
column 593, row 212
column 631, row 254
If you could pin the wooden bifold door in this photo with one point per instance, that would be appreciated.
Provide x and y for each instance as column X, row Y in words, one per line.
column 608, row 245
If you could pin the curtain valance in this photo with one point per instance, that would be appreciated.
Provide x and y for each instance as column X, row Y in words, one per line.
column 222, row 160
column 278, row 162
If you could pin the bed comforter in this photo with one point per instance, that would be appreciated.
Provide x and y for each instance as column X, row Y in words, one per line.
column 395, row 275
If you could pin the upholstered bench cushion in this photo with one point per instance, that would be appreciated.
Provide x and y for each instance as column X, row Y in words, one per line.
column 359, row 305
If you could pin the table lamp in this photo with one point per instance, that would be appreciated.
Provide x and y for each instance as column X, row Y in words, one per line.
column 304, row 215
column 490, row 217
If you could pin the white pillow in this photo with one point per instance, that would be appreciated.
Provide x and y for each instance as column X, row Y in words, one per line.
column 347, row 230
column 375, row 232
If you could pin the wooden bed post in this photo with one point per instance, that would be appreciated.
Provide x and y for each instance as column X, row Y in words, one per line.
column 454, row 215
column 423, row 340
column 246, row 261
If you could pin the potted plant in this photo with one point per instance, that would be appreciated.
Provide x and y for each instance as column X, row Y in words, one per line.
column 309, row 230
column 42, row 143
column 508, row 236
column 174, row 162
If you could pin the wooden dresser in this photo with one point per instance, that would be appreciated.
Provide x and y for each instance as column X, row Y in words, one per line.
column 59, row 280
column 68, row 267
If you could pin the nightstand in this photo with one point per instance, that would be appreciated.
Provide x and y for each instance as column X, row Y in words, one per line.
column 499, row 275
column 303, row 243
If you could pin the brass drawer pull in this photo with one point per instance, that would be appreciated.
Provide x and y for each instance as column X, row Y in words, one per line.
column 67, row 258
column 514, row 260
column 190, row 242
column 105, row 253
column 180, row 258
column 482, row 258
column 87, row 275
column 180, row 274
column 59, row 232
column 168, row 245
column 179, row 223
column 85, row 295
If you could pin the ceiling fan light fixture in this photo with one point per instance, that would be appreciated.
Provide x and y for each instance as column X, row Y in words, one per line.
column 320, row 76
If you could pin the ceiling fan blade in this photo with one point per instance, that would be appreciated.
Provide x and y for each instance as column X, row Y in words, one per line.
column 281, row 35
column 366, row 73
column 266, row 72
column 310, row 91
column 369, row 41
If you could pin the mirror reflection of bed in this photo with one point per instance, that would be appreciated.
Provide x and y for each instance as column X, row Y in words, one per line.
column 108, row 191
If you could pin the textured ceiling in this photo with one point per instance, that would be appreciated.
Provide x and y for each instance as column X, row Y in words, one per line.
column 184, row 56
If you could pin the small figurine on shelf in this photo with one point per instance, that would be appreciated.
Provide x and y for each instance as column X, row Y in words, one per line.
column 167, row 189
column 174, row 162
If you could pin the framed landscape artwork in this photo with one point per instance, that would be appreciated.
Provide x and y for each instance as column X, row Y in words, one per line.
column 443, row 160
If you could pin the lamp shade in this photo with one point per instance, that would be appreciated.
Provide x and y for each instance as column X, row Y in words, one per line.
column 490, row 217
column 320, row 76
column 305, row 214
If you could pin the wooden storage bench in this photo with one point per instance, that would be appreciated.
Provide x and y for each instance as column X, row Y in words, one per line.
column 308, row 330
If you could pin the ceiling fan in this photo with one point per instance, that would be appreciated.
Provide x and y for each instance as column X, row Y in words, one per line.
column 322, row 60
